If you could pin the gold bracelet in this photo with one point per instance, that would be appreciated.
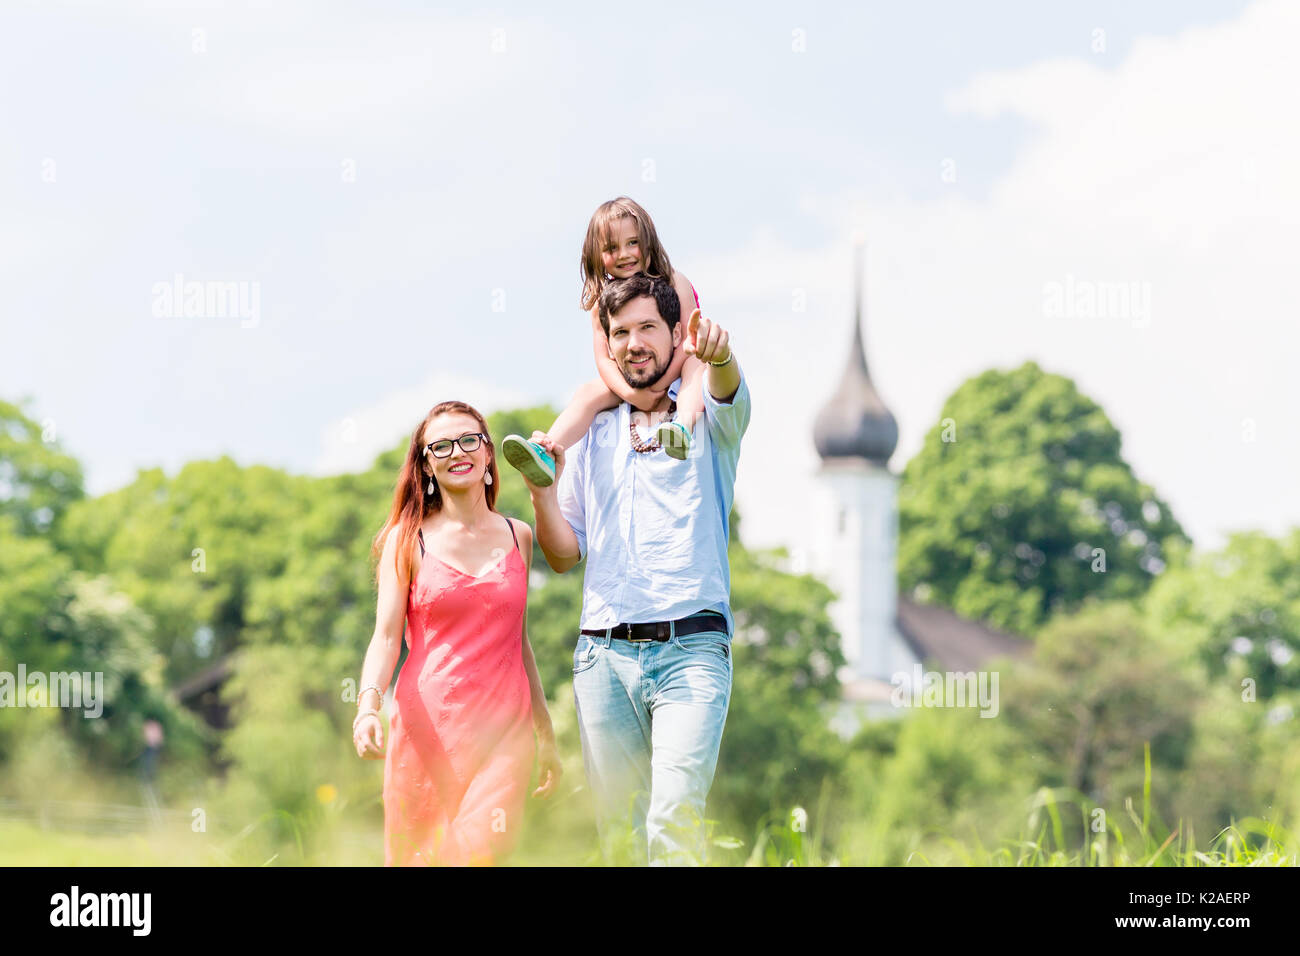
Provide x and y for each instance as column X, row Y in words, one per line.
column 375, row 688
column 730, row 355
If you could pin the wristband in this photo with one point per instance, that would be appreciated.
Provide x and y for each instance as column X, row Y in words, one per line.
column 730, row 355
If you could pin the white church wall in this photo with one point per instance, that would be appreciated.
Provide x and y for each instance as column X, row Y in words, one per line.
column 858, row 559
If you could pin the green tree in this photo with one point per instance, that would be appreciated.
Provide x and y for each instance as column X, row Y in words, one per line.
column 1016, row 499
column 1099, row 687
column 1239, row 609
column 57, row 620
column 35, row 630
column 324, row 593
column 190, row 549
column 38, row 481
column 113, row 637
column 1237, row 765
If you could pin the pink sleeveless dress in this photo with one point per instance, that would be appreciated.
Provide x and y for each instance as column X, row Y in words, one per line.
column 460, row 746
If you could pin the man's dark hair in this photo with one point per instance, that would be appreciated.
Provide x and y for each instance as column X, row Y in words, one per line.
column 619, row 292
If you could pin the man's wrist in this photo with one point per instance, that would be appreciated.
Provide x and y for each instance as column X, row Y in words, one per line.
column 724, row 377
column 544, row 495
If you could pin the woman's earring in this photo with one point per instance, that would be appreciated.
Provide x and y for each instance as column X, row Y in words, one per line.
column 431, row 487
column 488, row 479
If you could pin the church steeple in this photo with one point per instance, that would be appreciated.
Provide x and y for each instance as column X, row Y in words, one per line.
column 855, row 423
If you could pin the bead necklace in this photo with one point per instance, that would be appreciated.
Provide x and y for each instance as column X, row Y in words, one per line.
column 652, row 444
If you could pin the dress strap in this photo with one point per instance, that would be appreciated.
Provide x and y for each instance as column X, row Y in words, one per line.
column 420, row 533
column 512, row 533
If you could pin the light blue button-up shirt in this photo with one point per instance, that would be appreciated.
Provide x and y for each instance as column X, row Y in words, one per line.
column 654, row 529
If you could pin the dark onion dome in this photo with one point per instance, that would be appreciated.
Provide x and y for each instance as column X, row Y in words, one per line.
column 855, row 423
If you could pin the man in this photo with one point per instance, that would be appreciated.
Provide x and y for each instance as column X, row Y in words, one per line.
column 652, row 669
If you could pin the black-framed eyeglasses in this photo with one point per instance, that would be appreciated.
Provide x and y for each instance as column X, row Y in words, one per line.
column 468, row 442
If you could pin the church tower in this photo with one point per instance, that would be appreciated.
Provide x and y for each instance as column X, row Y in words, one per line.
column 855, row 435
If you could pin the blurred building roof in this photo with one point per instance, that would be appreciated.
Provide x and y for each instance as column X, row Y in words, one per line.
column 954, row 642
column 854, row 422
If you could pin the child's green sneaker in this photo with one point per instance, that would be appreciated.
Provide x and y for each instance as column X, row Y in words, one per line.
column 675, row 439
column 532, row 460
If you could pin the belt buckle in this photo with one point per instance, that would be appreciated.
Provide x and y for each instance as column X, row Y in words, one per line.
column 635, row 640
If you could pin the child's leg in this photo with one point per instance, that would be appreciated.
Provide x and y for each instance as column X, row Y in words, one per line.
column 591, row 398
column 690, row 400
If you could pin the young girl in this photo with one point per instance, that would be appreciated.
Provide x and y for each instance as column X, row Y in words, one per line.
column 621, row 241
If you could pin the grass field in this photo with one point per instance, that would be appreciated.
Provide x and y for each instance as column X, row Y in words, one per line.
column 561, row 834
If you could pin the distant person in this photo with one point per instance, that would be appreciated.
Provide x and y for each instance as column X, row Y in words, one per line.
column 468, row 703
column 652, row 669
column 621, row 241
column 153, row 742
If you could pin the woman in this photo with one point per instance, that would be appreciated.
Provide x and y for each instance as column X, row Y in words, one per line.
column 468, row 700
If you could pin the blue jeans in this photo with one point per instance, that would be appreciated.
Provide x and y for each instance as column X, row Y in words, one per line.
column 651, row 716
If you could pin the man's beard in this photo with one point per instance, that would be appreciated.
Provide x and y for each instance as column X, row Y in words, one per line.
column 640, row 378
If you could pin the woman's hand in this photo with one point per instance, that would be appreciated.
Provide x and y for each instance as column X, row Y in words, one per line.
column 368, row 736
column 548, row 767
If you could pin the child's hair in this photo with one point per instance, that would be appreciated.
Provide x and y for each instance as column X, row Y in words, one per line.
column 598, row 232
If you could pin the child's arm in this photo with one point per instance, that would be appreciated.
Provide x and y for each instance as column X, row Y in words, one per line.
column 590, row 400
column 690, row 398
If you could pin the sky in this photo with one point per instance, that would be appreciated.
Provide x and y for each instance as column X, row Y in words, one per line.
column 403, row 191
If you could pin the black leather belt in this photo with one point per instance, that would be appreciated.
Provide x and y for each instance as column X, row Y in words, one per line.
column 662, row 630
